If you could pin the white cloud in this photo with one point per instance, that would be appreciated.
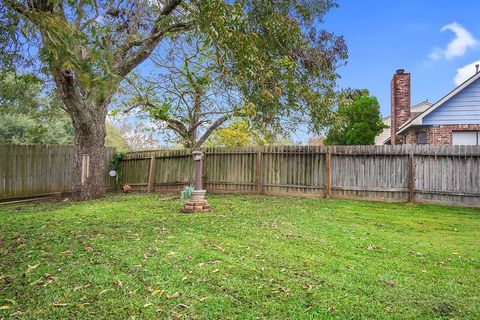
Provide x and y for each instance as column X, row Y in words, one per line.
column 458, row 46
column 465, row 72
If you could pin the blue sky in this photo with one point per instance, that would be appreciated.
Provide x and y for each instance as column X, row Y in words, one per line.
column 384, row 35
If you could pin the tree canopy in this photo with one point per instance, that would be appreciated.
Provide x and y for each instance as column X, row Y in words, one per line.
column 357, row 120
column 30, row 115
column 283, row 64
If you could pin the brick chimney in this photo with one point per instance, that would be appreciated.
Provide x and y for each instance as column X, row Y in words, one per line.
column 400, row 93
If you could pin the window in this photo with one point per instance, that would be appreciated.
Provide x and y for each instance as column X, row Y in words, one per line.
column 421, row 138
column 465, row 138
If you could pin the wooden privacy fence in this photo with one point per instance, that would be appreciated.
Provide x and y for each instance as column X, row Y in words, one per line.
column 37, row 170
column 424, row 173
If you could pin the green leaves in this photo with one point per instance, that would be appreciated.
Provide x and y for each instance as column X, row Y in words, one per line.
column 281, row 63
column 159, row 112
column 239, row 133
column 357, row 121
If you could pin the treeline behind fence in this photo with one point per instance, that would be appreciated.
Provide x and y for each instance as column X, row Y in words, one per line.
column 423, row 173
column 40, row 170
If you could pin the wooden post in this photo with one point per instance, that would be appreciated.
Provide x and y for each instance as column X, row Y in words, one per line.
column 151, row 173
column 411, row 179
column 85, row 168
column 198, row 166
column 328, row 180
column 259, row 172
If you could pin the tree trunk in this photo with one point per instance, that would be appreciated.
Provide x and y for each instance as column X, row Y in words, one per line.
column 88, row 119
column 89, row 162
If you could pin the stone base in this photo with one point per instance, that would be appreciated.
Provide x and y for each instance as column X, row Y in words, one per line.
column 196, row 206
column 198, row 195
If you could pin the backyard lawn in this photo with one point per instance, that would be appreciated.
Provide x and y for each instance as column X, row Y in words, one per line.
column 136, row 257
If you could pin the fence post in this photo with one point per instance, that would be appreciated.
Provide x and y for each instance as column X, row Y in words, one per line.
column 328, row 179
column 151, row 173
column 411, row 179
column 259, row 172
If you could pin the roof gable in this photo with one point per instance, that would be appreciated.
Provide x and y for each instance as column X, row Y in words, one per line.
column 471, row 93
column 462, row 108
column 416, row 110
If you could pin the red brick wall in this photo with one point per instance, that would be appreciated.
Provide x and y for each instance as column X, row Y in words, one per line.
column 438, row 134
column 400, row 103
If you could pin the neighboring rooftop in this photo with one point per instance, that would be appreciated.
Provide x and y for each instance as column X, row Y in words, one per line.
column 417, row 110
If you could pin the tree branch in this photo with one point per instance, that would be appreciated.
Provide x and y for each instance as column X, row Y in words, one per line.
column 178, row 127
column 126, row 63
column 212, row 128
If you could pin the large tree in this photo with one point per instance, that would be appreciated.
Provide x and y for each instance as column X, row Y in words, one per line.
column 191, row 94
column 185, row 95
column 357, row 121
column 87, row 48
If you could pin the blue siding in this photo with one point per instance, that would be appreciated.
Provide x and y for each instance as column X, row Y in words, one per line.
column 463, row 108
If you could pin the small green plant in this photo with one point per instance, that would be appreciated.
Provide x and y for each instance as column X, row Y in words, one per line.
column 186, row 192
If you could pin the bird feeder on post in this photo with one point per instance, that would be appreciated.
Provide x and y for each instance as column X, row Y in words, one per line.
column 197, row 203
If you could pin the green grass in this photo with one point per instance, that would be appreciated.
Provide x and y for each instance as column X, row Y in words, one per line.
column 136, row 257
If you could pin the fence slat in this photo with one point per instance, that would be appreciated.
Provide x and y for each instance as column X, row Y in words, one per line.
column 394, row 173
column 32, row 170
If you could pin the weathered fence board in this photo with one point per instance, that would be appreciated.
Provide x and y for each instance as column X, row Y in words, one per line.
column 33, row 170
column 426, row 173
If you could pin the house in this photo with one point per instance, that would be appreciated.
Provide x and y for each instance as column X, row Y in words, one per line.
column 454, row 119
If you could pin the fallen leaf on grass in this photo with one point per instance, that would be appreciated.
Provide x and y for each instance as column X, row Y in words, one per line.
column 291, row 235
column 66, row 251
column 215, row 271
column 46, row 280
column 307, row 286
column 40, row 280
column 30, row 268
column 391, row 283
column 5, row 307
column 157, row 292
column 148, row 304
column 105, row 291
column 175, row 295
column 5, row 276
column 59, row 304
column 80, row 287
